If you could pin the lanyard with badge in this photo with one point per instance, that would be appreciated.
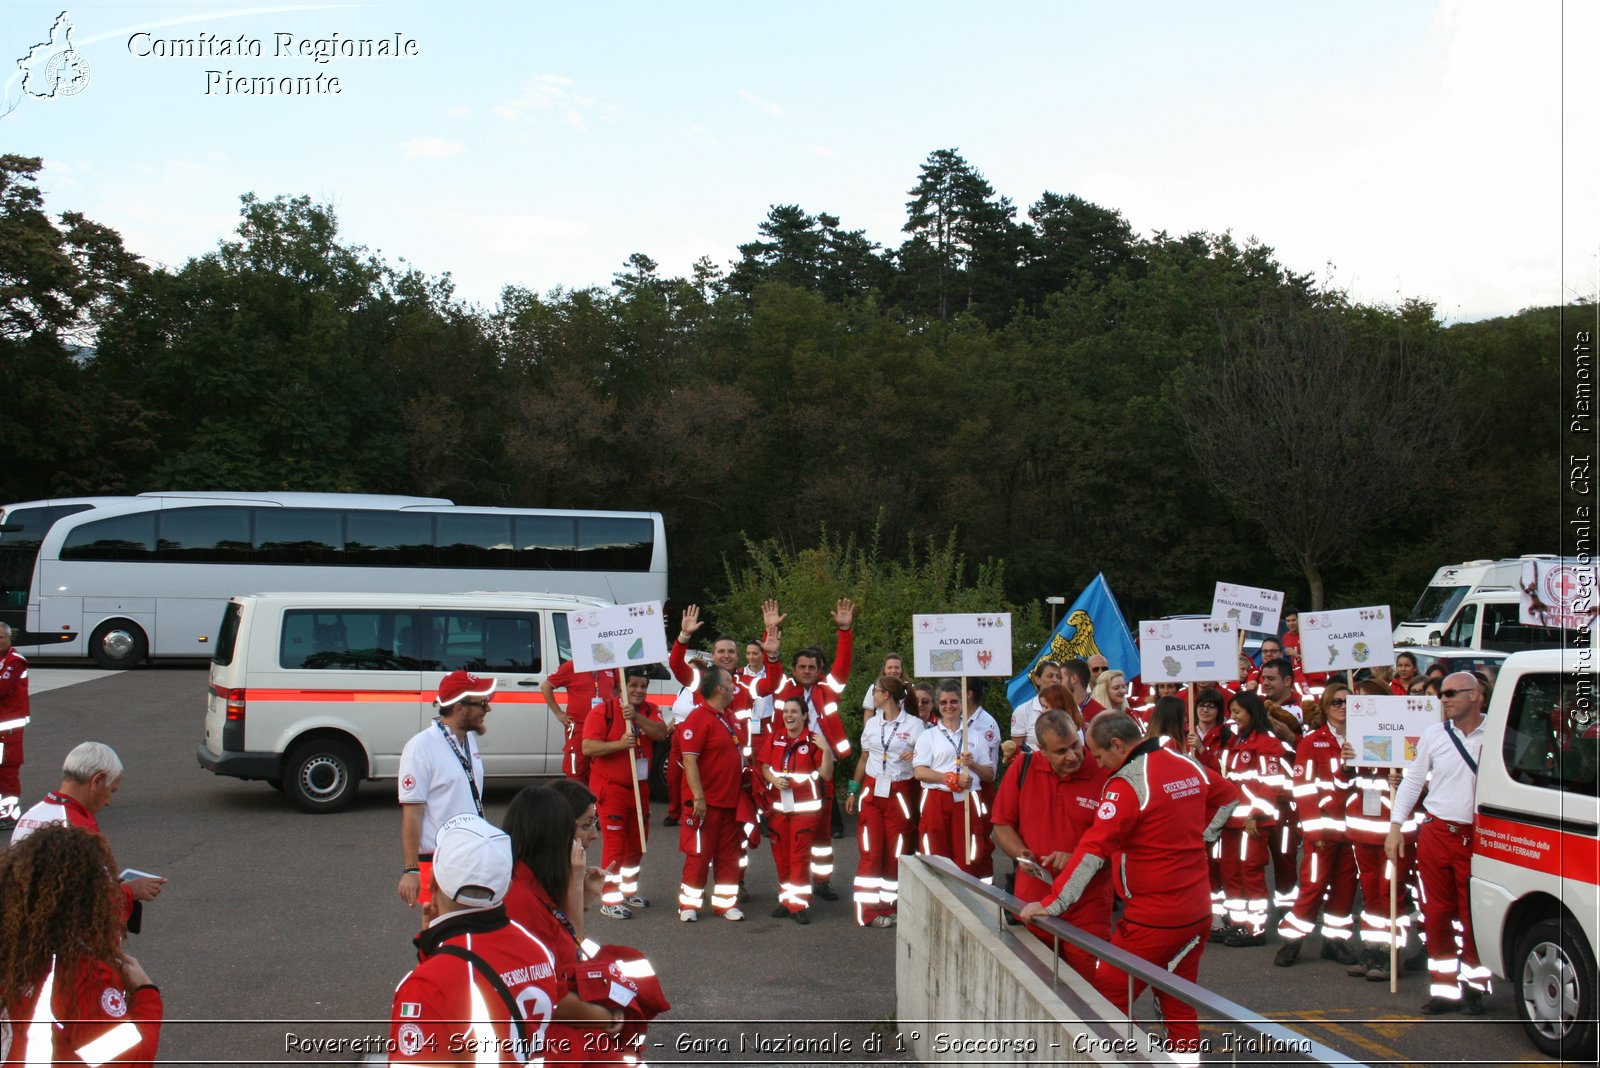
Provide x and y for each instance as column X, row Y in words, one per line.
column 881, row 782
column 951, row 738
column 466, row 764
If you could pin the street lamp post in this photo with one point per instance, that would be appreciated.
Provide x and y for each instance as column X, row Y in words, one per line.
column 1054, row 603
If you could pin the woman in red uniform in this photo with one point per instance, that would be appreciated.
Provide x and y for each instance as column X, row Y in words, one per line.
column 546, row 897
column 71, row 994
column 1206, row 745
column 795, row 765
column 1255, row 764
column 884, row 790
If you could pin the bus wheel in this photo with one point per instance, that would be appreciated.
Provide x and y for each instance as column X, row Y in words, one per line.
column 322, row 775
column 118, row 644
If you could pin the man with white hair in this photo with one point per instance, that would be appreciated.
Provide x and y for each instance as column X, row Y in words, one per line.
column 13, row 717
column 90, row 777
column 486, row 987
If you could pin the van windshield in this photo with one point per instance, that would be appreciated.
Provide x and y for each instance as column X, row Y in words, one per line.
column 1436, row 604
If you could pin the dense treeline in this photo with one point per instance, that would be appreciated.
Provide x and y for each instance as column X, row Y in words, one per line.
column 1038, row 385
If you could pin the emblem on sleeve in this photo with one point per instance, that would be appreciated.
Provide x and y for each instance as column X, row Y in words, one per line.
column 114, row 1002
column 688, row 732
column 410, row 1039
column 1107, row 810
column 408, row 782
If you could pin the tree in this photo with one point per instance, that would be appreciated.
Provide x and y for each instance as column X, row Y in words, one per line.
column 1073, row 241
column 964, row 246
column 1314, row 419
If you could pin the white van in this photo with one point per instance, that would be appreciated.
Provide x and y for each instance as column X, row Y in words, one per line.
column 1490, row 618
column 313, row 692
column 1450, row 585
column 1536, row 851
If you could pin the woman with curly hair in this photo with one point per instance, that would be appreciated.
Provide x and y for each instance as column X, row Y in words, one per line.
column 71, row 994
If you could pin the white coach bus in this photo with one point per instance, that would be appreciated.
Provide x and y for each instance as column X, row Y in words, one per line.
column 122, row 580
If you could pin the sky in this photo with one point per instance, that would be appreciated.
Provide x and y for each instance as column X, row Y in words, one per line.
column 1445, row 151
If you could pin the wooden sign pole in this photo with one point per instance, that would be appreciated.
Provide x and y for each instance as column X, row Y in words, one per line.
column 966, row 806
column 633, row 762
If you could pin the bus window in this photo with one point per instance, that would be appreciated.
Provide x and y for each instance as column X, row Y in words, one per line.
column 298, row 536
column 207, row 535
column 122, row 537
column 388, row 539
column 474, row 541
column 547, row 542
column 614, row 544
column 19, row 548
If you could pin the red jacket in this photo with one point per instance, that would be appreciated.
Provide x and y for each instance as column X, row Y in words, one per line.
column 13, row 691
column 823, row 698
column 1256, row 766
column 446, row 1012
column 1321, row 786
column 59, row 808
column 94, row 1020
column 607, row 724
column 1155, row 816
column 746, row 689
column 713, row 738
column 801, row 760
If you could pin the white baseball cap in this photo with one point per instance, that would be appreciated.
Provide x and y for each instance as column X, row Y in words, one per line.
column 472, row 861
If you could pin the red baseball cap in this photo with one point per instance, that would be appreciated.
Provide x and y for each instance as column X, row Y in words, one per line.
column 458, row 684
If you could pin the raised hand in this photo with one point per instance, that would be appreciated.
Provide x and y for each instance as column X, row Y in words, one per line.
column 691, row 621
column 771, row 619
column 844, row 613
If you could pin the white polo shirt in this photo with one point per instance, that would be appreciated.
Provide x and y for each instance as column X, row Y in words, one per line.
column 431, row 775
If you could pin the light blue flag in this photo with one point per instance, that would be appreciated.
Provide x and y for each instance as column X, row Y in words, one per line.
column 1093, row 624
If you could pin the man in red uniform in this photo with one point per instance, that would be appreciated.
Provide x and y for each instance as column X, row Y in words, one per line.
column 1045, row 803
column 1449, row 751
column 713, row 774
column 1159, row 809
column 1075, row 677
column 617, row 734
column 1328, row 868
column 485, row 989
column 90, row 776
column 821, row 697
column 585, row 689
column 1283, row 844
column 13, row 717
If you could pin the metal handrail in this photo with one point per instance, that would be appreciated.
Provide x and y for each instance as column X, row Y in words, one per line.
column 1150, row 974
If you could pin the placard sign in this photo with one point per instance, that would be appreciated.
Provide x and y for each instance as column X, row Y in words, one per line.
column 1249, row 608
column 1384, row 731
column 968, row 644
column 1346, row 639
column 1187, row 650
column 604, row 639
column 1555, row 593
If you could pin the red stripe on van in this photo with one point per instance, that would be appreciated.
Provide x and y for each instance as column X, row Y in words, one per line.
column 1564, row 854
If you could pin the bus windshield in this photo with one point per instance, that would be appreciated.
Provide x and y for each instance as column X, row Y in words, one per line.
column 21, row 530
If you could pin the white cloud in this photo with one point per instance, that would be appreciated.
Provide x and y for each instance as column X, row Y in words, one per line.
column 431, row 148
column 551, row 95
column 761, row 103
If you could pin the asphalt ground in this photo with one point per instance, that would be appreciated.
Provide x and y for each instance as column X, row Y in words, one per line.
column 280, row 930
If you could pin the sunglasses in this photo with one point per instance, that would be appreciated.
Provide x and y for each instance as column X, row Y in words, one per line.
column 1340, row 701
column 1453, row 693
column 476, row 704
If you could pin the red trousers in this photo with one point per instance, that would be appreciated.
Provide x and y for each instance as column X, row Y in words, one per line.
column 1244, row 877
column 1328, row 887
column 674, row 777
column 1091, row 913
column 1178, row 949
column 884, row 828
column 791, row 852
column 822, row 840
column 943, row 828
column 1374, row 872
column 574, row 765
column 620, row 843
column 10, row 777
column 712, row 842
column 1444, row 857
column 1283, row 844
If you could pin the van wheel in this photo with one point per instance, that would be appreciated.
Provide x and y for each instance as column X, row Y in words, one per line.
column 321, row 776
column 118, row 644
column 1555, row 989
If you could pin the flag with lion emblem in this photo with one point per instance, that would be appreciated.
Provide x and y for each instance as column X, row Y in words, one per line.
column 1093, row 624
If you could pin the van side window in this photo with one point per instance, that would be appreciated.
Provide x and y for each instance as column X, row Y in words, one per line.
column 1551, row 736
column 489, row 641
column 1504, row 630
column 358, row 639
